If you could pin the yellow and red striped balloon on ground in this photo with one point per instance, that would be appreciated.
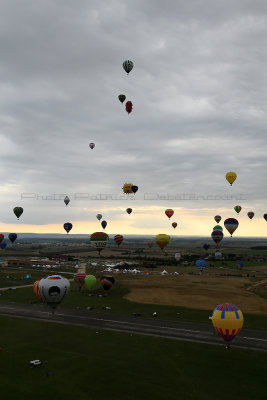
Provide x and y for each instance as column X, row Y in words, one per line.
column 36, row 289
column 228, row 320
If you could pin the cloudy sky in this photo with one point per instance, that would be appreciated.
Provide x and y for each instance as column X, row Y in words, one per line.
column 198, row 90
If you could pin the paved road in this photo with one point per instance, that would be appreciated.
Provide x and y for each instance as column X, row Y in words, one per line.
column 256, row 340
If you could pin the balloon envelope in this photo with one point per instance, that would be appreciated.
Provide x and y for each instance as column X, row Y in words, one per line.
column 134, row 188
column 118, row 239
column 18, row 211
column 53, row 289
column 231, row 177
column 12, row 237
column 67, row 226
column 91, row 145
column 174, row 225
column 3, row 244
column 107, row 282
column 129, row 107
column 217, row 228
column 250, row 214
column 79, row 279
column 1, row 237
column 104, row 224
column 128, row 66
column 99, row 240
column 201, row 264
column 228, row 320
column 121, row 97
column 217, row 218
column 265, row 217
column 162, row 240
column 237, row 209
column 66, row 200
column 231, row 224
column 36, row 289
column 240, row 264
column 129, row 210
column 177, row 256
column 99, row 216
column 90, row 281
column 206, row 246
column 217, row 236
column 127, row 188
column 169, row 212
column 218, row 255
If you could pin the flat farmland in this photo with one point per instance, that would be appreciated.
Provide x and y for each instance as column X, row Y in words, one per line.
column 197, row 292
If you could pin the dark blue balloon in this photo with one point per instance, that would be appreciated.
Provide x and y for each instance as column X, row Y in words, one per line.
column 67, row 226
column 240, row 264
column 206, row 246
column 12, row 237
column 104, row 224
column 3, row 245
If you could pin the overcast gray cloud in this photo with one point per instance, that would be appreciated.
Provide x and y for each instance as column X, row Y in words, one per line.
column 199, row 102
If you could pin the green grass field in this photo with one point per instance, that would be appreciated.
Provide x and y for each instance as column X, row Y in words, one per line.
column 90, row 364
column 120, row 305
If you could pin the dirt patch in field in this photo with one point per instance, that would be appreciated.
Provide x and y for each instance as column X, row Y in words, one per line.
column 197, row 292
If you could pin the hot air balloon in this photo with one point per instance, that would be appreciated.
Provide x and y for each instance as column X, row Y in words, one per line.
column 231, row 177
column 104, row 224
column 90, row 281
column 177, row 256
column 134, row 189
column 231, row 224
column 217, row 218
column 12, row 237
column 99, row 216
column 169, row 212
column 1, row 237
column 53, row 289
column 127, row 188
column 66, row 200
column 217, row 236
column 36, row 289
column 129, row 107
column 121, row 97
column 237, row 209
column 67, row 226
column 206, row 246
column 265, row 217
column 217, row 228
column 18, row 211
column 228, row 320
column 118, row 239
column 99, row 240
column 129, row 210
column 218, row 255
column 3, row 245
column 79, row 279
column 201, row 265
column 174, row 225
column 107, row 282
column 128, row 66
column 91, row 145
column 240, row 264
column 250, row 214
column 162, row 240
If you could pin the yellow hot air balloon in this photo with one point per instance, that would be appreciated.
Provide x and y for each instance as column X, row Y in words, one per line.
column 127, row 188
column 162, row 240
column 231, row 177
column 228, row 320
